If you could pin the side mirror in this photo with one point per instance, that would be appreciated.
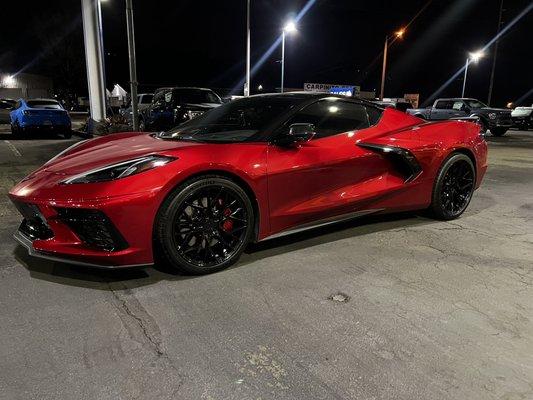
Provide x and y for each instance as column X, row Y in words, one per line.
column 298, row 133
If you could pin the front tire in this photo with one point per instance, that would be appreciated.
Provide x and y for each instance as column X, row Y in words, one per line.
column 453, row 187
column 498, row 131
column 204, row 225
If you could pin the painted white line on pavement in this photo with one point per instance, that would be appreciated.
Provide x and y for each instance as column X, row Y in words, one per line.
column 13, row 148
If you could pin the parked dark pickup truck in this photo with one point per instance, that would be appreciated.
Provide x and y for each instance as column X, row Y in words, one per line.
column 173, row 105
column 497, row 120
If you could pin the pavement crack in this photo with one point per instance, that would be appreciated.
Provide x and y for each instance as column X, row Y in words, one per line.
column 128, row 304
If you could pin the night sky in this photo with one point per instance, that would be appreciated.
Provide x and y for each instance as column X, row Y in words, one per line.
column 200, row 42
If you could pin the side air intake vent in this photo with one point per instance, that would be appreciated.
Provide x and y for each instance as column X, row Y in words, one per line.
column 403, row 160
column 93, row 228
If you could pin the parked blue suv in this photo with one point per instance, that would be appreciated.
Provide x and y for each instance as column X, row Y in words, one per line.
column 46, row 115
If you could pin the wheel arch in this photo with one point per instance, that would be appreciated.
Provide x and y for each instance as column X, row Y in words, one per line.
column 239, row 181
column 467, row 152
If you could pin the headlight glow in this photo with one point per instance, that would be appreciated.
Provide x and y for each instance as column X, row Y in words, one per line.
column 120, row 170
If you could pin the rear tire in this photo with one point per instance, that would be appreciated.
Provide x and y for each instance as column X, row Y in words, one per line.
column 15, row 130
column 453, row 187
column 498, row 131
column 204, row 225
column 67, row 134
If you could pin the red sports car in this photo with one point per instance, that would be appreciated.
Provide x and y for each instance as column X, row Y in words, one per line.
column 253, row 169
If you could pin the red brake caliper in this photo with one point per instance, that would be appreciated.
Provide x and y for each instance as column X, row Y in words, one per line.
column 227, row 225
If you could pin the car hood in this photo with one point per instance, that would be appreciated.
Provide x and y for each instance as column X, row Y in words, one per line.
column 522, row 112
column 497, row 110
column 109, row 150
column 200, row 106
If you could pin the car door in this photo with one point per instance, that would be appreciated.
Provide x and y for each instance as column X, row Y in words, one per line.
column 321, row 178
column 161, row 113
column 442, row 110
column 458, row 109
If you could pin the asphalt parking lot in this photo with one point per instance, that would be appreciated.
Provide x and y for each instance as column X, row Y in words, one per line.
column 397, row 307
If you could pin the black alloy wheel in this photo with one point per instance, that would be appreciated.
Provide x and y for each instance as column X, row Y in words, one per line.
column 205, row 225
column 454, row 187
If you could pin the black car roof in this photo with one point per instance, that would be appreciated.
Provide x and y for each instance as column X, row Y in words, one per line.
column 302, row 95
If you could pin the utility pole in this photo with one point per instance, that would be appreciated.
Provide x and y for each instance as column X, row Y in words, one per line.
column 492, row 72
column 384, row 68
column 248, row 45
column 282, row 61
column 133, row 65
column 94, row 58
column 464, row 78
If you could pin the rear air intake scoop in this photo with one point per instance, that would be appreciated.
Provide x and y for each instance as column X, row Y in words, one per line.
column 403, row 160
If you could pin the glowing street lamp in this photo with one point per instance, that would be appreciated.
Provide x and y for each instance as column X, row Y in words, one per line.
column 396, row 35
column 290, row 27
column 8, row 80
column 472, row 57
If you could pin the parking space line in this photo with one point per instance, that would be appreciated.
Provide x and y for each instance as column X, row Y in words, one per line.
column 13, row 148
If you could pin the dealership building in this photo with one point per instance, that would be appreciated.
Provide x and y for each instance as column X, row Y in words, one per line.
column 29, row 86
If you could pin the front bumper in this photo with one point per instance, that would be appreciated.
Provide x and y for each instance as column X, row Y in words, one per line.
column 501, row 122
column 523, row 121
column 74, row 239
column 28, row 244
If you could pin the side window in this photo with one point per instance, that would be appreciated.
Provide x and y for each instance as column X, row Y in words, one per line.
column 457, row 105
column 159, row 99
column 443, row 105
column 332, row 117
column 374, row 115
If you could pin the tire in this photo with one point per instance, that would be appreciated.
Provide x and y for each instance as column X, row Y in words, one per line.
column 67, row 134
column 498, row 131
column 453, row 187
column 204, row 225
column 15, row 130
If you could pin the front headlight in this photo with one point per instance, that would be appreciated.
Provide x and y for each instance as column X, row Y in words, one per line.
column 120, row 170
column 492, row 115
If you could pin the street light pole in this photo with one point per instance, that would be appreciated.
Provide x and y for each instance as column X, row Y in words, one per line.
column 289, row 27
column 399, row 35
column 472, row 57
column 247, row 85
column 384, row 68
column 464, row 78
column 492, row 71
column 133, row 65
column 282, row 60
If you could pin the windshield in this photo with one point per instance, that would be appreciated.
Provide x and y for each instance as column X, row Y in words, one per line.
column 475, row 104
column 236, row 121
column 146, row 98
column 196, row 96
column 44, row 104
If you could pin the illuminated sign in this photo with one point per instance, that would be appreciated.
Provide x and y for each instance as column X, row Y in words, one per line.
column 327, row 88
